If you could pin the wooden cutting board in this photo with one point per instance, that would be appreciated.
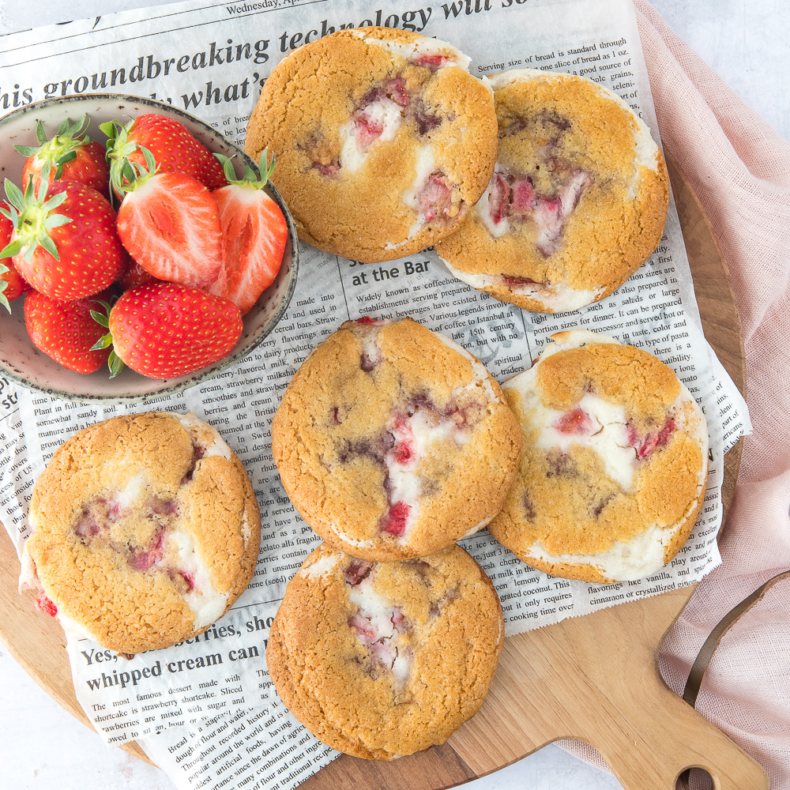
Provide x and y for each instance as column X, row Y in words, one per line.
column 594, row 678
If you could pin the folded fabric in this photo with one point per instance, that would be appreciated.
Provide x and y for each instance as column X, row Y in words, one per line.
column 740, row 169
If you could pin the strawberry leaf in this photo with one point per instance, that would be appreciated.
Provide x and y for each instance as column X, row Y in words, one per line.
column 265, row 168
column 28, row 256
column 43, row 184
column 56, row 221
column 15, row 195
column 102, row 319
column 115, row 364
column 54, row 201
column 69, row 157
column 41, row 135
column 49, row 245
column 11, row 249
column 108, row 129
column 129, row 172
column 26, row 150
column 64, row 127
column 149, row 160
column 3, row 286
column 227, row 167
column 105, row 341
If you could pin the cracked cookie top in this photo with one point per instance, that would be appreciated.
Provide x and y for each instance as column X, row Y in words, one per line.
column 613, row 464
column 577, row 202
column 393, row 442
column 383, row 140
column 380, row 660
column 145, row 531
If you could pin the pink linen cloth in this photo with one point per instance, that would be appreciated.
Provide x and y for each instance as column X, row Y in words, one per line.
column 740, row 169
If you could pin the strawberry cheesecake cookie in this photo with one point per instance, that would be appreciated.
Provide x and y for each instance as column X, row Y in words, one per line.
column 577, row 202
column 614, row 462
column 383, row 140
column 145, row 531
column 380, row 660
column 393, row 442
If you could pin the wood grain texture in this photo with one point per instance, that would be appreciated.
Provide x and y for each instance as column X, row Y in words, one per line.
column 595, row 678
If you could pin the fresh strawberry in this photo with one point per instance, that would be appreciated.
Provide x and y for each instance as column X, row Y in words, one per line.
column 254, row 233
column 173, row 147
column 64, row 242
column 164, row 330
column 66, row 331
column 169, row 223
column 71, row 156
column 12, row 284
column 133, row 276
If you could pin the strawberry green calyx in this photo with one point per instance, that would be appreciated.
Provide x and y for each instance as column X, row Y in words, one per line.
column 114, row 363
column 60, row 149
column 31, row 216
column 250, row 179
column 3, row 286
column 123, row 173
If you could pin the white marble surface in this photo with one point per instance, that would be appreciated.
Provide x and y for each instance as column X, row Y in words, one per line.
column 42, row 747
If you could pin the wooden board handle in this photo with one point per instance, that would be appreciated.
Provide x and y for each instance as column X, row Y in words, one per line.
column 596, row 678
column 662, row 736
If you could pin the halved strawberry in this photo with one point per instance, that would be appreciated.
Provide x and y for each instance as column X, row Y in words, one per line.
column 66, row 331
column 169, row 223
column 12, row 284
column 254, row 233
column 165, row 330
column 64, row 241
column 71, row 156
column 173, row 147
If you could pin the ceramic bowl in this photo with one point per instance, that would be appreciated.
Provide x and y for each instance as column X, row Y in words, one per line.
column 25, row 364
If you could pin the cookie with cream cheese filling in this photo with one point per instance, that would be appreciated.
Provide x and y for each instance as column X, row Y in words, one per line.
column 145, row 531
column 577, row 201
column 393, row 442
column 380, row 660
column 382, row 137
column 613, row 465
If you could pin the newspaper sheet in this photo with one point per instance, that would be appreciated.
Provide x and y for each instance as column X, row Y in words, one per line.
column 193, row 702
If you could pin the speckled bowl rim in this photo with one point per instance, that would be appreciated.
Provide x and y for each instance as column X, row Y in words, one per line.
column 207, row 373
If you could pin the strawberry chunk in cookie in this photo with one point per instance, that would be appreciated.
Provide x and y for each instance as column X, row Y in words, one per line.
column 403, row 441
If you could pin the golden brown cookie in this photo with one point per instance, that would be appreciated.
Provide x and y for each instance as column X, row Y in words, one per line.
column 383, row 140
column 577, row 202
column 146, row 530
column 613, row 466
column 393, row 442
column 382, row 660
